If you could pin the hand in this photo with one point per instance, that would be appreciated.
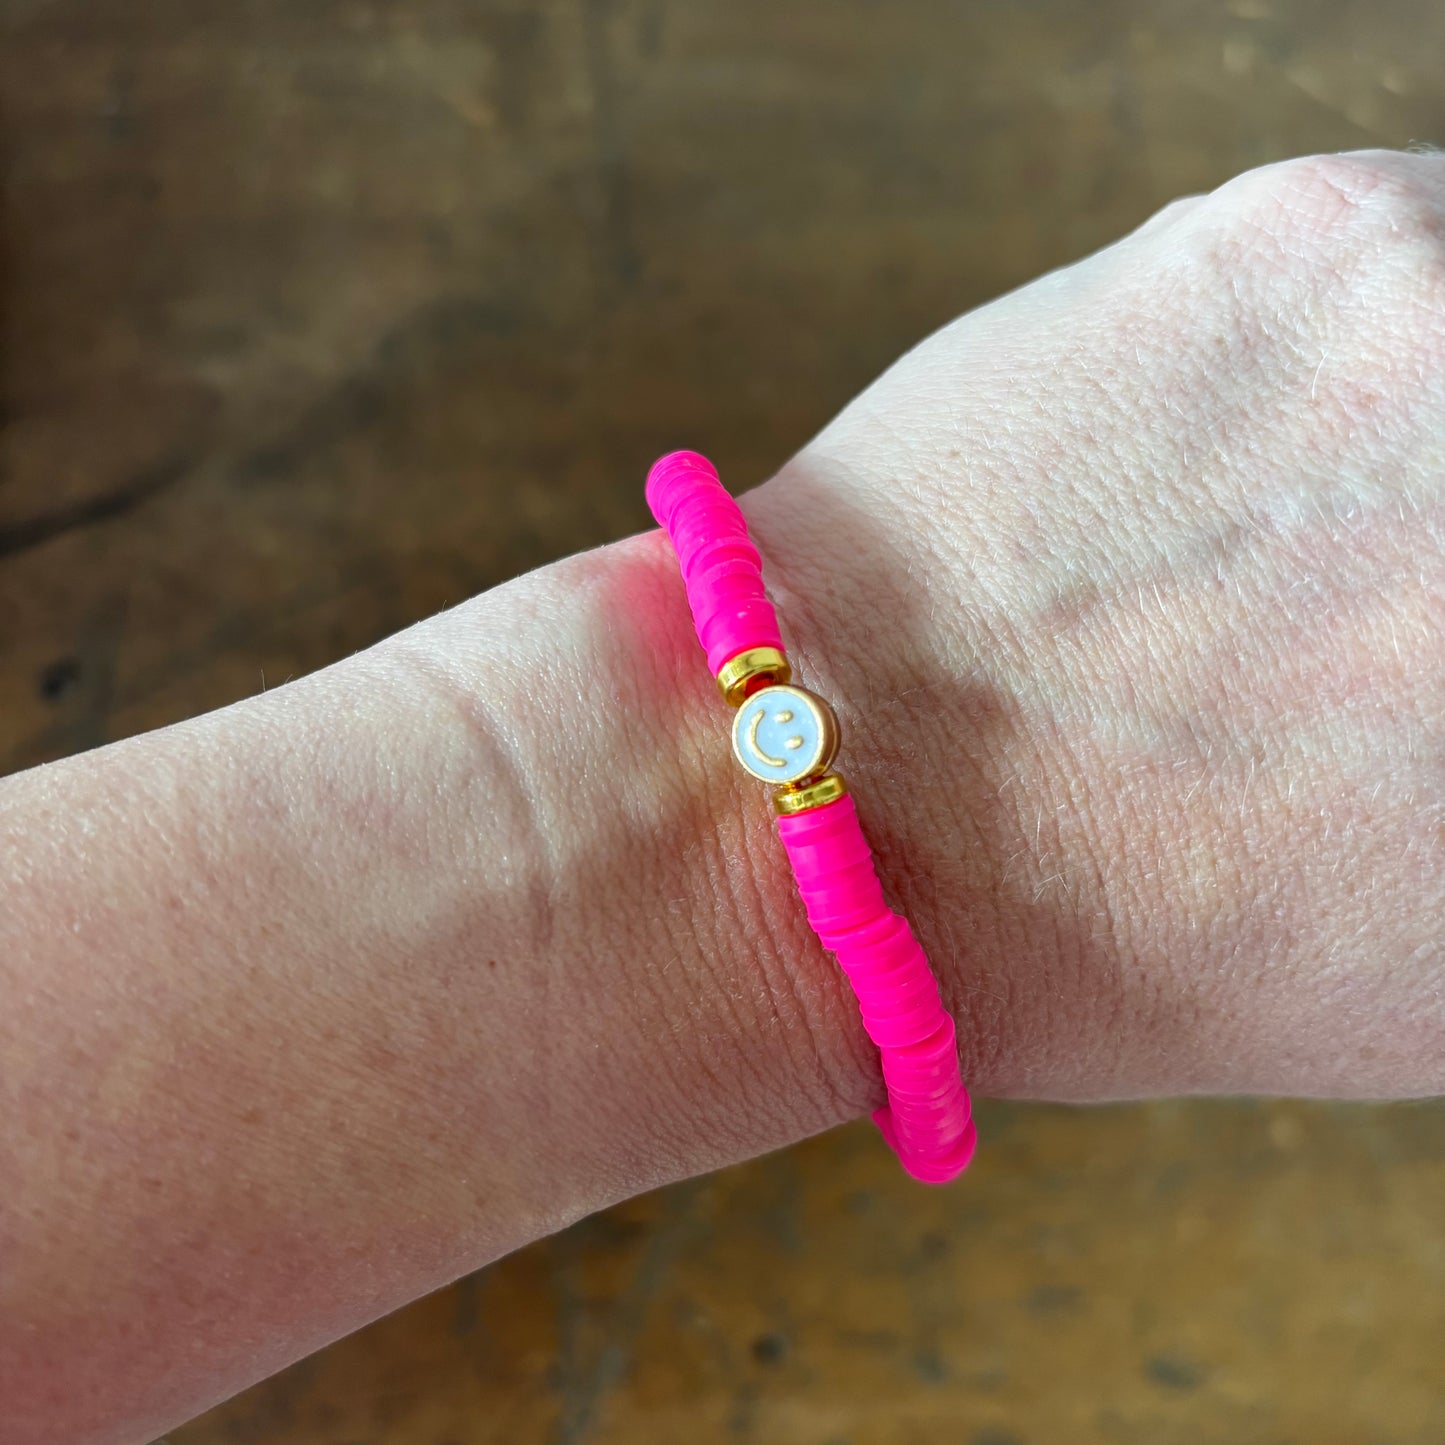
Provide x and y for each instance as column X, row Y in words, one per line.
column 1133, row 587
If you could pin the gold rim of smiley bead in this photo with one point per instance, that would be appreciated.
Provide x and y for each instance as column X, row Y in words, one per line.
column 749, row 672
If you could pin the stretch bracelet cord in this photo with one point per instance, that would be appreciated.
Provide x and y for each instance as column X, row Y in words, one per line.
column 787, row 736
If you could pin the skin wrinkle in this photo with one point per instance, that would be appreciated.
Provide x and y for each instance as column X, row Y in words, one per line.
column 510, row 801
column 651, row 984
column 784, row 991
column 733, row 819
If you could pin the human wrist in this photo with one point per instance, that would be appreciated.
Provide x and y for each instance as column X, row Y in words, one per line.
column 686, row 956
column 1002, row 827
column 967, row 802
column 1158, row 545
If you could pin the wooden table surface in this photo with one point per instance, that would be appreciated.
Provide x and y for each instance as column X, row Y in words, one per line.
column 319, row 315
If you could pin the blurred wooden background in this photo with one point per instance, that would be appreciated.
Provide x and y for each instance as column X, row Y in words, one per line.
column 319, row 315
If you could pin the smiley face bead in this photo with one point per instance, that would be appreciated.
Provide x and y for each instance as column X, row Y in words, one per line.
column 783, row 734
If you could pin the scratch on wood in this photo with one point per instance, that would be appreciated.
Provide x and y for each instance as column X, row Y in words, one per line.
column 91, row 511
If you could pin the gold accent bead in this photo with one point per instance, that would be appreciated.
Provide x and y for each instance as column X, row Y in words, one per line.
column 811, row 794
column 756, row 664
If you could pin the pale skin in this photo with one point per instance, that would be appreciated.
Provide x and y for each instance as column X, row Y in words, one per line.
column 1130, row 590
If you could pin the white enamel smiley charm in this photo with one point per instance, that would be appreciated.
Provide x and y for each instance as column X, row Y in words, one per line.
column 783, row 734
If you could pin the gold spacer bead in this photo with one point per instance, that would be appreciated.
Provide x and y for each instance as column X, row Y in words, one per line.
column 756, row 664
column 811, row 794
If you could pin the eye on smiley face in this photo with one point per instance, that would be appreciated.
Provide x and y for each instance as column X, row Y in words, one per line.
column 783, row 734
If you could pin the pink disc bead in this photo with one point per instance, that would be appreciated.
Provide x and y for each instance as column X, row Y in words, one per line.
column 928, row 1120
column 721, row 569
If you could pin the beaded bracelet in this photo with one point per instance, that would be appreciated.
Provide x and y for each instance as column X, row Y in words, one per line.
column 787, row 736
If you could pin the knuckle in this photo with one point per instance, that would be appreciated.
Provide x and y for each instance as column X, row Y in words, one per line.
column 1349, row 245
column 1314, row 191
column 1361, row 205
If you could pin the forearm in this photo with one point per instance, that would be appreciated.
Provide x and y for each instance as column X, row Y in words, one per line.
column 320, row 1001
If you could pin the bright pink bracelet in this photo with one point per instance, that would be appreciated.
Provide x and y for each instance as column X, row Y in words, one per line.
column 788, row 737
